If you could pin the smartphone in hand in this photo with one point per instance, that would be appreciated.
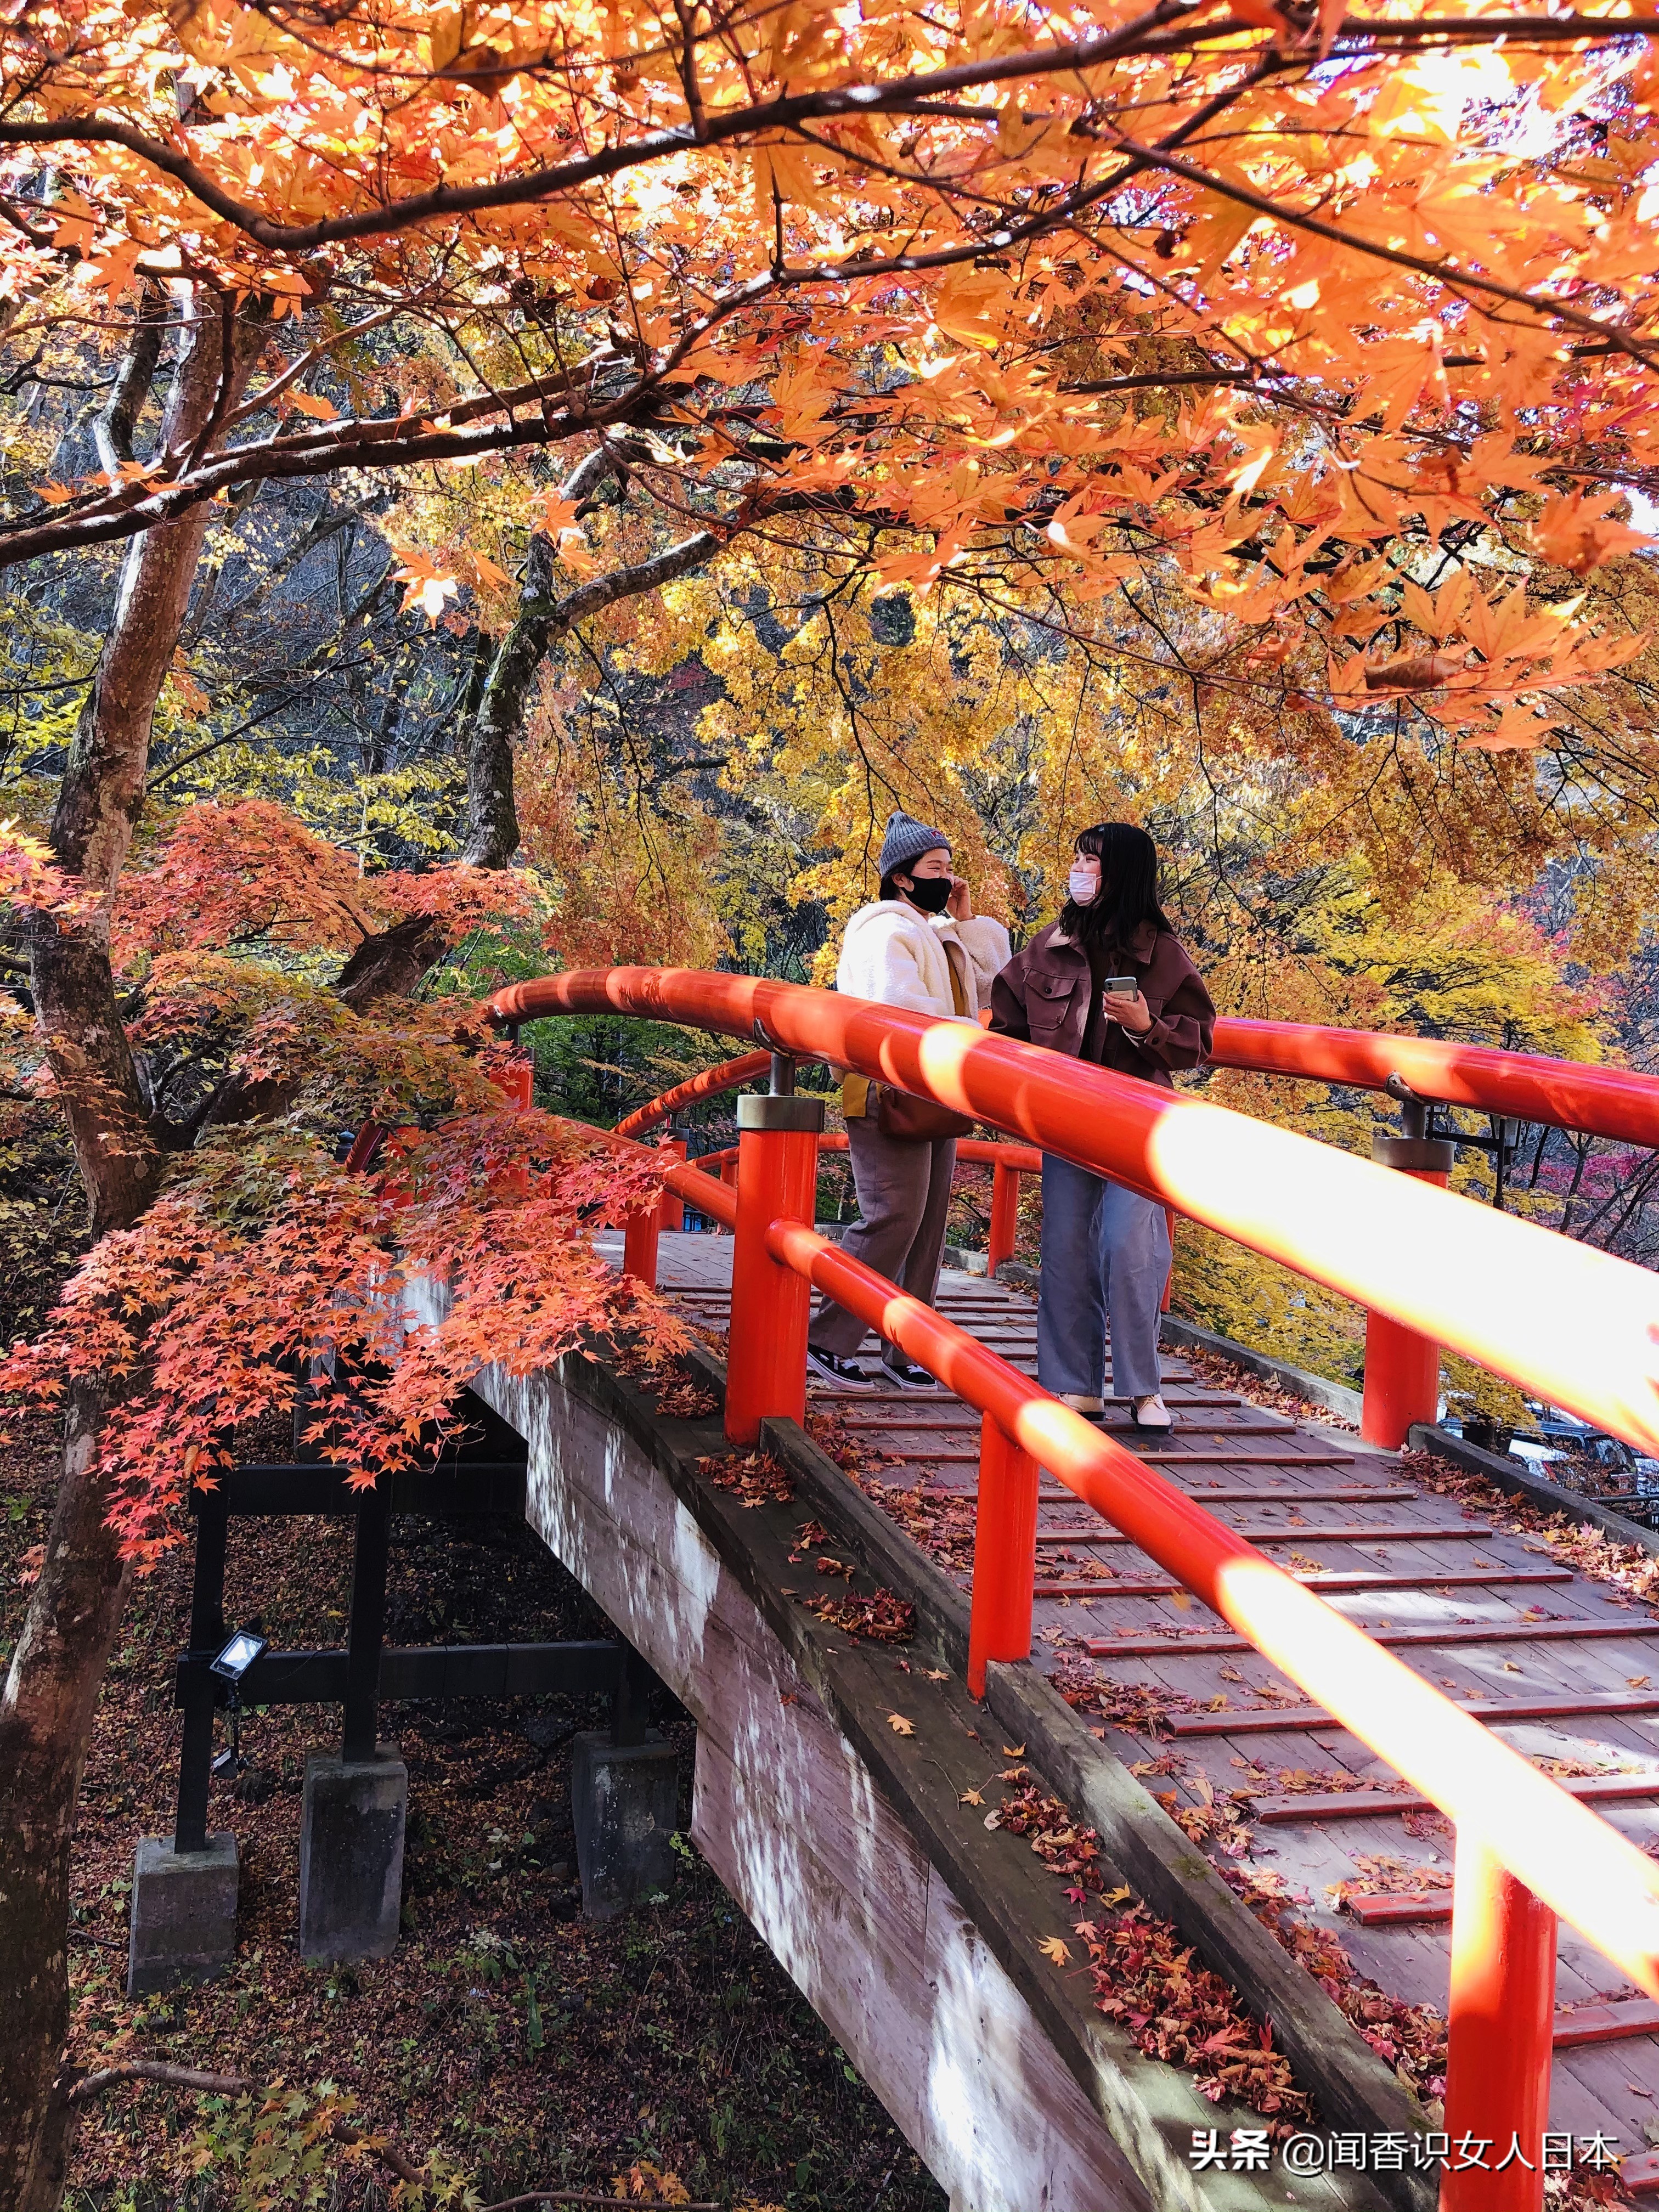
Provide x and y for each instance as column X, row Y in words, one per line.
column 1121, row 987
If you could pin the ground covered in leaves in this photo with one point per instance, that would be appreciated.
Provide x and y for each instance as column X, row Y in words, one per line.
column 528, row 2045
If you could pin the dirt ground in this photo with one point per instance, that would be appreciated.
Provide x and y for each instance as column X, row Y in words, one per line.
column 532, row 2048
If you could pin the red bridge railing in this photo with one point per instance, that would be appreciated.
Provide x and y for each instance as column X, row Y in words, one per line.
column 1402, row 1366
column 1575, row 1325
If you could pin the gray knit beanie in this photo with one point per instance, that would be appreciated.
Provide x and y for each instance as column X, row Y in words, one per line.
column 907, row 840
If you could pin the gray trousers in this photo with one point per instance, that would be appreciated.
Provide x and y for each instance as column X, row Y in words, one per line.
column 1105, row 1252
column 904, row 1194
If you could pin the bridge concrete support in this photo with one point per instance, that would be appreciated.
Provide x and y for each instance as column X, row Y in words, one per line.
column 800, row 1832
column 351, row 1856
column 183, row 1913
column 624, row 1807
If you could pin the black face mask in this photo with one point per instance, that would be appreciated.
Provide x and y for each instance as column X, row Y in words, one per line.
column 931, row 893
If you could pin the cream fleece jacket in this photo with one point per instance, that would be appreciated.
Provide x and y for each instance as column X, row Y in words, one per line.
column 893, row 954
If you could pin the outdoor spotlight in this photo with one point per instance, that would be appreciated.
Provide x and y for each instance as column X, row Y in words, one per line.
column 238, row 1656
column 232, row 1663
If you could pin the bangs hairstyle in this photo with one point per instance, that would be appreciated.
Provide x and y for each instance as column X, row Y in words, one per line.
column 1128, row 887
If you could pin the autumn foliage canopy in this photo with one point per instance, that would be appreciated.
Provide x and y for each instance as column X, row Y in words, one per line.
column 1306, row 359
column 1256, row 306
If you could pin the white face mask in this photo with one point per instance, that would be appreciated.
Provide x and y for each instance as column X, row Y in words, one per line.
column 1083, row 884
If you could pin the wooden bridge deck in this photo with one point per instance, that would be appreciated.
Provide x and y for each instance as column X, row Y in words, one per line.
column 1487, row 1615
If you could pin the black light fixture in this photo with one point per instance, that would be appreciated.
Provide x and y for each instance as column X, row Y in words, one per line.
column 238, row 1655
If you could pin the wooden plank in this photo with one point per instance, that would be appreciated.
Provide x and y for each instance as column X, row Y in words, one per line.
column 1362, row 1804
column 1203, row 1494
column 1400, row 1911
column 1605, row 2023
column 966, row 1417
column 1478, row 1631
column 1488, row 1577
column 1638, row 2175
column 1494, row 1711
column 1092, row 1533
column 1289, row 1532
column 1163, row 1459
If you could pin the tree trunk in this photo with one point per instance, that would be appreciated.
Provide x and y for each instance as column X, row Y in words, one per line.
column 45, row 1722
column 492, row 822
column 51, row 1685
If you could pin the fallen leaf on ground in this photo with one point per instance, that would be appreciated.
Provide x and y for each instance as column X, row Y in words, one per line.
column 899, row 1725
column 1057, row 1948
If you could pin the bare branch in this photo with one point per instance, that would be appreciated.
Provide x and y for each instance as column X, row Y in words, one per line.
column 154, row 2069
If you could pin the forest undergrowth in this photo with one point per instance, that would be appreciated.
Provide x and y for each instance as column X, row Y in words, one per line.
column 530, row 2048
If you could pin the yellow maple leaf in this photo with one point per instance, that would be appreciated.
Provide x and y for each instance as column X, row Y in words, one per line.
column 1055, row 1948
column 899, row 1725
column 970, row 1797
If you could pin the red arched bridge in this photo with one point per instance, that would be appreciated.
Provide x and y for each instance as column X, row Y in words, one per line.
column 1565, row 1324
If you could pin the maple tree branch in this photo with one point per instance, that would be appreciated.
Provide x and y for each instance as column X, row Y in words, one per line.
column 724, row 127
column 783, row 113
column 106, row 2078
column 648, row 575
column 308, row 360
column 1443, row 272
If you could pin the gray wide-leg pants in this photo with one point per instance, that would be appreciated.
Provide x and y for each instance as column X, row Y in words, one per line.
column 904, row 1195
column 1105, row 1252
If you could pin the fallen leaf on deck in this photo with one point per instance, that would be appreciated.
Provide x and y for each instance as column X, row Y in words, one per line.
column 1013, row 1751
column 1057, row 1948
column 899, row 1725
column 970, row 1797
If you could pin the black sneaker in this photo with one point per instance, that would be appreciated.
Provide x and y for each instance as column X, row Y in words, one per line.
column 846, row 1372
column 908, row 1376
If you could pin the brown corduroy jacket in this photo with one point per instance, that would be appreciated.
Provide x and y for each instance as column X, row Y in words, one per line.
column 1042, row 996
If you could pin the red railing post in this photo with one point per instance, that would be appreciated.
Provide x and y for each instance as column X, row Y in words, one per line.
column 766, row 1349
column 1402, row 1368
column 639, row 1245
column 1005, row 1553
column 516, row 1080
column 671, row 1207
column 1503, row 2017
column 1005, row 1217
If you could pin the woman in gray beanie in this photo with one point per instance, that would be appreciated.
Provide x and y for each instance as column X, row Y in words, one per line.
column 920, row 945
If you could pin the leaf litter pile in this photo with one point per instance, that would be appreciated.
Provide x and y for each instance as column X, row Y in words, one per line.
column 1146, row 1979
column 507, row 2040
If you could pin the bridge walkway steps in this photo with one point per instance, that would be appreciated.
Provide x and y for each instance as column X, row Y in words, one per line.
column 1477, row 1603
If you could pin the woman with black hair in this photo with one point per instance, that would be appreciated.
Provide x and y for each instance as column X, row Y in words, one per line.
column 1109, row 982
